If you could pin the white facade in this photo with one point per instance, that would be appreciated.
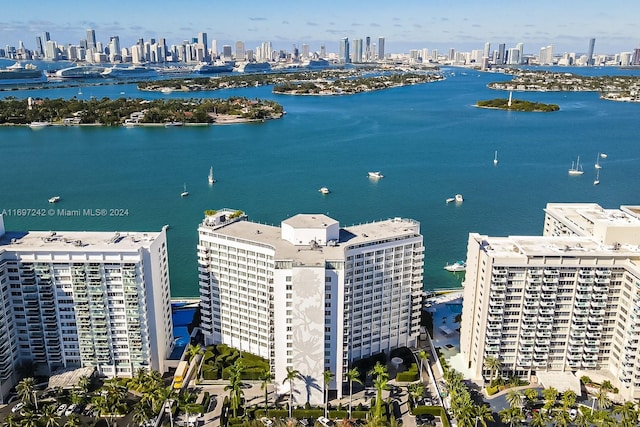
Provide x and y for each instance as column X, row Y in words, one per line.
column 565, row 301
column 310, row 295
column 84, row 299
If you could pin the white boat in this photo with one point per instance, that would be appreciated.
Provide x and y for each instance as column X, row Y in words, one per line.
column 597, row 165
column 166, row 90
column 324, row 190
column 597, row 181
column 211, row 178
column 459, row 198
column 376, row 175
column 54, row 199
column 173, row 124
column 576, row 169
column 495, row 157
column 184, row 193
column 456, row 266
column 38, row 125
column 450, row 199
column 604, row 156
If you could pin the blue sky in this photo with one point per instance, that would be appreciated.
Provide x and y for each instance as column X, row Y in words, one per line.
column 405, row 24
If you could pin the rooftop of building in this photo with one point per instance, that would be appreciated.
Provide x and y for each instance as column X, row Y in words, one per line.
column 362, row 234
column 71, row 241
column 553, row 246
column 586, row 215
column 310, row 221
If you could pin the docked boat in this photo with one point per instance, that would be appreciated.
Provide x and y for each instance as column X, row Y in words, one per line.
column 576, row 168
column 456, row 266
column 210, row 177
column 216, row 67
column 376, row 175
column 54, row 199
column 184, row 193
column 253, row 67
column 81, row 72
column 166, row 90
column 324, row 190
column 39, row 125
column 173, row 124
column 17, row 74
column 131, row 72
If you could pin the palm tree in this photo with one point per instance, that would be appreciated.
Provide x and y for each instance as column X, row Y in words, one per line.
column 353, row 375
column 514, row 398
column 416, row 391
column 538, row 419
column 111, row 401
column 511, row 415
column 235, row 386
column 141, row 413
column 193, row 351
column 602, row 397
column 11, row 421
column 84, row 383
column 493, row 364
column 380, row 383
column 482, row 414
column 49, row 417
column 328, row 376
column 568, row 399
column 603, row 418
column 192, row 409
column 267, row 378
column 583, row 419
column 550, row 395
column 30, row 419
column 561, row 418
column 531, row 394
column 292, row 374
column 73, row 421
column 423, row 356
column 26, row 390
column 379, row 370
column 628, row 414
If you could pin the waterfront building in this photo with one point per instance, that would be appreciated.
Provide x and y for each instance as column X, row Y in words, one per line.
column 592, row 43
column 487, row 50
column 83, row 299
column 344, row 55
column 310, row 295
column 91, row 39
column 380, row 48
column 240, row 54
column 500, row 57
column 567, row 301
column 357, row 51
column 546, row 55
column 226, row 52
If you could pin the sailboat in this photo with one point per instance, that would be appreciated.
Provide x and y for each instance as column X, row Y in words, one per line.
column 211, row 178
column 184, row 193
column 495, row 157
column 576, row 169
column 597, row 165
column 597, row 181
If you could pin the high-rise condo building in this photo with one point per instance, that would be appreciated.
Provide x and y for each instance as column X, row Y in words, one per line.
column 367, row 49
column 91, row 39
column 310, row 295
column 357, row 50
column 380, row 48
column 564, row 303
column 240, row 54
column 202, row 40
column 590, row 60
column 487, row 50
column 83, row 299
column 344, row 55
column 500, row 60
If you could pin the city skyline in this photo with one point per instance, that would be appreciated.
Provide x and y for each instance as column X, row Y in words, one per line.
column 410, row 25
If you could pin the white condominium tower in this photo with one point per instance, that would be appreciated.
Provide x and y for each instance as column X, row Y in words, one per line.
column 567, row 301
column 309, row 295
column 83, row 299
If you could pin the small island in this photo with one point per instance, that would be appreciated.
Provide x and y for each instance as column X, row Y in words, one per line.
column 136, row 112
column 517, row 105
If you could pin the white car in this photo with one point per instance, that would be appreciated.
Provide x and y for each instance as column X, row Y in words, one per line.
column 70, row 410
column 573, row 413
column 17, row 408
column 326, row 422
column 61, row 409
column 266, row 421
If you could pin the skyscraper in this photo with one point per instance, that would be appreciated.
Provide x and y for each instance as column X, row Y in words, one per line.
column 91, row 39
column 39, row 47
column 240, row 50
column 202, row 40
column 83, row 299
column 487, row 50
column 305, row 297
column 559, row 304
column 344, row 55
column 592, row 44
column 500, row 60
column 380, row 48
column 357, row 50
column 367, row 49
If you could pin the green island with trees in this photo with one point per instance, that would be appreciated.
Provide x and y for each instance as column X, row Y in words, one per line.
column 129, row 111
column 325, row 82
column 517, row 105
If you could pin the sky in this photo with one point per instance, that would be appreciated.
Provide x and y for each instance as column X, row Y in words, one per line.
column 405, row 24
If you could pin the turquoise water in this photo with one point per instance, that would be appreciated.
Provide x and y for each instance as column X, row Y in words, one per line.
column 428, row 140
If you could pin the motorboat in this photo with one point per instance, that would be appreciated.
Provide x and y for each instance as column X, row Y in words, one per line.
column 376, row 175
column 173, row 124
column 459, row 198
column 324, row 190
column 456, row 266
column 38, row 125
column 450, row 199
column 184, row 193
column 576, row 169
column 54, row 199
column 212, row 180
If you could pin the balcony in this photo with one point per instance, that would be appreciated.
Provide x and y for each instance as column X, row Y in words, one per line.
column 539, row 363
column 583, row 288
column 589, row 365
column 542, row 349
column 525, row 363
column 594, row 334
column 550, row 272
column 594, row 327
column 498, row 287
column 575, row 343
column 493, row 341
column 534, row 280
column 543, row 341
column 591, row 349
column 599, row 297
column 494, row 334
column 531, row 297
column 595, row 319
column 549, row 281
column 496, row 311
column 597, row 312
column 589, row 357
column 543, row 334
column 549, row 303
column 526, row 349
column 494, row 319
column 528, row 326
column 527, row 341
column 530, row 311
column 602, row 281
column 545, row 319
column 586, row 273
column 598, row 304
column 546, row 311
column 527, row 334
column 603, row 273
column 502, row 271
column 580, row 311
column 585, row 280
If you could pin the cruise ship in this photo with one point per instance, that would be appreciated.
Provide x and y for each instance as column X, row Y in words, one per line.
column 131, row 72
column 253, row 67
column 81, row 72
column 216, row 67
column 18, row 74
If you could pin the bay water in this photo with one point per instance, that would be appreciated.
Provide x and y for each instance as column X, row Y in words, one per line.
column 429, row 142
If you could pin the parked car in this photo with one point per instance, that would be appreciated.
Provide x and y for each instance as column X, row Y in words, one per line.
column 573, row 413
column 326, row 422
column 266, row 421
column 16, row 408
column 61, row 409
column 70, row 409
